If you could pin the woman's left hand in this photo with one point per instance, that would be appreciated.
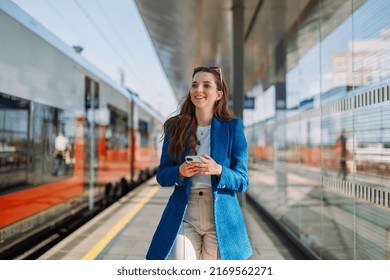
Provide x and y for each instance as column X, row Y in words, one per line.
column 208, row 166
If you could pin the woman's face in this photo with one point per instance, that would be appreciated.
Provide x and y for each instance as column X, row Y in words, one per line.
column 204, row 92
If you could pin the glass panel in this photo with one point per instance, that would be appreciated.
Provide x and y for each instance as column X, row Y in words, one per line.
column 321, row 167
column 370, row 167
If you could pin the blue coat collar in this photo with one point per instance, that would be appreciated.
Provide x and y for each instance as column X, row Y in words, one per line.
column 219, row 139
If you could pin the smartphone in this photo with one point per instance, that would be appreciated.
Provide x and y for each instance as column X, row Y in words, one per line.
column 190, row 159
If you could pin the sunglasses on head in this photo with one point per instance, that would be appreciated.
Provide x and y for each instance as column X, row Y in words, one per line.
column 203, row 68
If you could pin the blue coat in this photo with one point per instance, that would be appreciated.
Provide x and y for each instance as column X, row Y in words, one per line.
column 228, row 148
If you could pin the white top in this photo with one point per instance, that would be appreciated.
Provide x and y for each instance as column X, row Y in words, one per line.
column 200, row 181
column 61, row 142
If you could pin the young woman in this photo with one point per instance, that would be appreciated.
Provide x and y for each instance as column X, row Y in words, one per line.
column 203, row 219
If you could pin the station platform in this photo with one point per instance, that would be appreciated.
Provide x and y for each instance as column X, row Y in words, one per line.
column 125, row 229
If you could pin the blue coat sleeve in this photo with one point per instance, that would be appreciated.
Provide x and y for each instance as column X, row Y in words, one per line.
column 235, row 176
column 168, row 171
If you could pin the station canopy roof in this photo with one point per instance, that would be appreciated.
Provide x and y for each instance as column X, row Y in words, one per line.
column 191, row 33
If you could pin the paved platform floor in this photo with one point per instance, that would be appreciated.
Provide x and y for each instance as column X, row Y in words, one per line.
column 124, row 230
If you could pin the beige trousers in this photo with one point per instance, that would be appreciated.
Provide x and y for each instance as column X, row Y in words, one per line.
column 196, row 239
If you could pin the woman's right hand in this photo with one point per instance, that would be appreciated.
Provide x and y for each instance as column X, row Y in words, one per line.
column 187, row 169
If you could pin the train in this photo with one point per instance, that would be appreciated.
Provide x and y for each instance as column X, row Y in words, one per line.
column 51, row 97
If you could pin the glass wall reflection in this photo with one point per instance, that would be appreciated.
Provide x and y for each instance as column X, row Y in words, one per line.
column 321, row 163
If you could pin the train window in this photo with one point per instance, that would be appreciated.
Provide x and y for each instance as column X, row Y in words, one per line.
column 366, row 99
column 40, row 160
column 143, row 133
column 117, row 134
column 91, row 86
column 375, row 96
column 382, row 94
column 14, row 116
column 378, row 93
column 388, row 200
column 372, row 97
column 52, row 145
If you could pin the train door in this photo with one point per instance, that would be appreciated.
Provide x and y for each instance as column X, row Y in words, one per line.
column 91, row 138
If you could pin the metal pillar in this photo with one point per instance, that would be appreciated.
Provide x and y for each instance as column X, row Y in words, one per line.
column 279, row 81
column 238, row 67
column 91, row 190
column 238, row 57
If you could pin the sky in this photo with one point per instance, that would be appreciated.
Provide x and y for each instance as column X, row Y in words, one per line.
column 114, row 39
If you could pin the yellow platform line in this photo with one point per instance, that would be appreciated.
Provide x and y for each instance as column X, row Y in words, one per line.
column 92, row 254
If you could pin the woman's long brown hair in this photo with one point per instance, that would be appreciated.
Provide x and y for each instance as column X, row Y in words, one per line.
column 182, row 127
